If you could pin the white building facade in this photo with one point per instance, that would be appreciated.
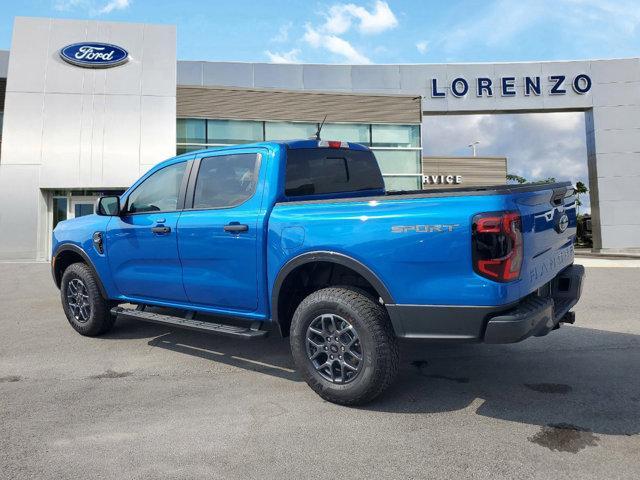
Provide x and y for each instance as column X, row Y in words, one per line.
column 71, row 133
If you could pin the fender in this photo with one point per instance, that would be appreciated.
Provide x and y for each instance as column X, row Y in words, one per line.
column 74, row 248
column 331, row 257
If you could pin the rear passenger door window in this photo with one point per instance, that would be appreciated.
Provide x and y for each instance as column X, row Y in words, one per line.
column 226, row 180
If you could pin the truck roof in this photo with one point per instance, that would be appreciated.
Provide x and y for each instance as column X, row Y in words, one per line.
column 290, row 144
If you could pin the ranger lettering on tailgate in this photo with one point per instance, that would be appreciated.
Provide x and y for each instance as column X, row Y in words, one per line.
column 559, row 260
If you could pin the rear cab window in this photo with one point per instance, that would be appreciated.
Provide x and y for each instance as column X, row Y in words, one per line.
column 312, row 172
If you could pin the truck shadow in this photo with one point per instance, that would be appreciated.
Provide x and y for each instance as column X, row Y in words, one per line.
column 579, row 378
column 270, row 356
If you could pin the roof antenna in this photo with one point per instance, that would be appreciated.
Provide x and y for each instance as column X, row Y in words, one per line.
column 320, row 128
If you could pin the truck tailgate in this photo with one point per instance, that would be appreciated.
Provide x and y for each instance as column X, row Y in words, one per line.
column 549, row 227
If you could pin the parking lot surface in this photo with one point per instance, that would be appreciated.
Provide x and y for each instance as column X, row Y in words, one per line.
column 149, row 402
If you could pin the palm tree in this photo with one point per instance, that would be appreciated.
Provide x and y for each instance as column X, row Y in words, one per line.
column 581, row 189
column 516, row 178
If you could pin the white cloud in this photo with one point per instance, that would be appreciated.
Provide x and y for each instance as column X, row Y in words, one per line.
column 65, row 5
column 114, row 5
column 329, row 32
column 283, row 33
column 329, row 35
column 422, row 46
column 340, row 46
column 537, row 146
column 312, row 36
column 558, row 123
column 334, row 44
column 292, row 56
column 338, row 21
column 340, row 17
column 91, row 7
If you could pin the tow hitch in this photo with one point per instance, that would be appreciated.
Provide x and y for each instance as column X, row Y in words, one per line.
column 569, row 317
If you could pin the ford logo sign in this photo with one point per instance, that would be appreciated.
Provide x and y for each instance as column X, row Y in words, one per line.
column 94, row 55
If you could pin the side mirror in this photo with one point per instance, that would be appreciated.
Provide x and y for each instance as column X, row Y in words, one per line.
column 108, row 206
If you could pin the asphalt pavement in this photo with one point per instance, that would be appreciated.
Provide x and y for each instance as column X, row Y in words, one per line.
column 146, row 401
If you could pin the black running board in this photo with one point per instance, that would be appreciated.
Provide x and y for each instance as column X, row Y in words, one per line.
column 191, row 324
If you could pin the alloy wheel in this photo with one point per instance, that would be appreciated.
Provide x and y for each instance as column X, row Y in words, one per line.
column 334, row 348
column 78, row 300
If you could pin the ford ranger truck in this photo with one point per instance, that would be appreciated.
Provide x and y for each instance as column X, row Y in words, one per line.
column 300, row 238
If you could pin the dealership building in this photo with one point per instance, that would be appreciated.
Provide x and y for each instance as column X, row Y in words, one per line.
column 87, row 107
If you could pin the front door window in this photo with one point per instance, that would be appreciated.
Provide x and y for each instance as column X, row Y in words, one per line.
column 159, row 192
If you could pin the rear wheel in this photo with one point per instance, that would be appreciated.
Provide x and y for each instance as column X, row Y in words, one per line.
column 86, row 309
column 343, row 345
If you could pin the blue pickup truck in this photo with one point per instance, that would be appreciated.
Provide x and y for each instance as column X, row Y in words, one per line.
column 301, row 238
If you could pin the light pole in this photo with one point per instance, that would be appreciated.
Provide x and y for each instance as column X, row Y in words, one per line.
column 473, row 146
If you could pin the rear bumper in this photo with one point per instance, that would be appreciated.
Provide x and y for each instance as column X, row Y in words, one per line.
column 538, row 315
column 534, row 315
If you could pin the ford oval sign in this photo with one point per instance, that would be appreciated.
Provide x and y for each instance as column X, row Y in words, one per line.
column 94, row 55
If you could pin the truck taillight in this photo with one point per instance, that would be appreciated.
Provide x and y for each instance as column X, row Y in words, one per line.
column 497, row 245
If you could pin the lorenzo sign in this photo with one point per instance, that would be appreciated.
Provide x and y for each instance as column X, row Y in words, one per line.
column 94, row 55
column 506, row 86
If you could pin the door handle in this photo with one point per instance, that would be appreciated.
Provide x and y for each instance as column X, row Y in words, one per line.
column 161, row 229
column 236, row 227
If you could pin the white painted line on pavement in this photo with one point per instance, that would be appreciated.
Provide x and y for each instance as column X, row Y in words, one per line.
column 607, row 263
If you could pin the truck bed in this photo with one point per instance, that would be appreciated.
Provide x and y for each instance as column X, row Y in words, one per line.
column 447, row 192
column 419, row 243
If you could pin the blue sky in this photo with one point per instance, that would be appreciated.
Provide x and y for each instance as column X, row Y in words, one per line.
column 537, row 146
column 369, row 31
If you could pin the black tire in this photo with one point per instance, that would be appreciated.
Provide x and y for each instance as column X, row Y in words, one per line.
column 379, row 350
column 95, row 317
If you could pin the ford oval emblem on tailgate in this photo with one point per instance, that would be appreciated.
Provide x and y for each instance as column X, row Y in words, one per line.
column 94, row 55
column 563, row 223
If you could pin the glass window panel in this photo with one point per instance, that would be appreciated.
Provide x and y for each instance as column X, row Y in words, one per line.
column 233, row 131
column 401, row 183
column 316, row 171
column 395, row 135
column 82, row 209
column 96, row 193
column 191, row 130
column 357, row 133
column 159, row 192
column 225, row 180
column 59, row 210
column 180, row 149
column 289, row 130
column 398, row 161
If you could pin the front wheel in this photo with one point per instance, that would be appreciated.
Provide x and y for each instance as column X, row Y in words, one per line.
column 343, row 345
column 86, row 309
